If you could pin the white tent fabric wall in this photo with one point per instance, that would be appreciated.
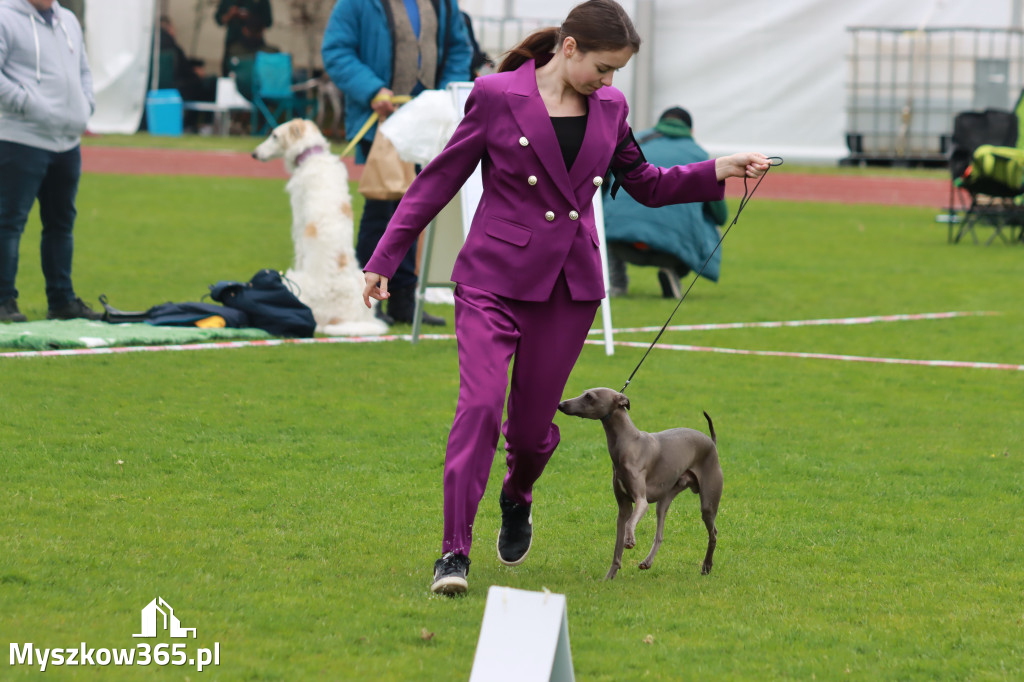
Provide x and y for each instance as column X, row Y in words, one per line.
column 772, row 76
column 119, row 41
column 758, row 75
column 755, row 75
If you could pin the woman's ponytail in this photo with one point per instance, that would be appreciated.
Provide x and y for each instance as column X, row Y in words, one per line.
column 595, row 25
column 540, row 42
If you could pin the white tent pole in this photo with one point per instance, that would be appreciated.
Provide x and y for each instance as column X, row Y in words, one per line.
column 643, row 74
column 155, row 54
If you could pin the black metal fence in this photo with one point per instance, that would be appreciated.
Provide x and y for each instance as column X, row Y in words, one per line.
column 906, row 85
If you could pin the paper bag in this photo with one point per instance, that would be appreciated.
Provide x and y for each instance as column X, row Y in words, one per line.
column 385, row 175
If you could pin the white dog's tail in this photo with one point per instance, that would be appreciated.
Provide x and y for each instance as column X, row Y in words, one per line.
column 362, row 328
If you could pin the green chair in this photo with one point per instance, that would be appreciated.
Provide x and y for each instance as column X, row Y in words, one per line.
column 987, row 168
column 273, row 98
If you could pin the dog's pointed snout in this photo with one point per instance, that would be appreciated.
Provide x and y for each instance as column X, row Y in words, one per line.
column 255, row 157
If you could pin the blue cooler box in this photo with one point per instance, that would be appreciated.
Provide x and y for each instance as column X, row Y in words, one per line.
column 164, row 112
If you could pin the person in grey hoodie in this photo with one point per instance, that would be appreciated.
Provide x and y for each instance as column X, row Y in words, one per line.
column 46, row 99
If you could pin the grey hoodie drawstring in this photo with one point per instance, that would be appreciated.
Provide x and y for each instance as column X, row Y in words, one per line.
column 35, row 36
column 67, row 36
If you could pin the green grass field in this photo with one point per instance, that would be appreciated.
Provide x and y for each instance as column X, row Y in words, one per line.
column 287, row 501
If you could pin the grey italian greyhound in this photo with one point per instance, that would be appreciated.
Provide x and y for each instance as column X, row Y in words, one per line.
column 652, row 467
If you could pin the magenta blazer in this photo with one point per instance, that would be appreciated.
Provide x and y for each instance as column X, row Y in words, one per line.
column 535, row 218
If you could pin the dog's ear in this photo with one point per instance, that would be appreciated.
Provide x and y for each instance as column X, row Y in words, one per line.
column 296, row 129
column 622, row 401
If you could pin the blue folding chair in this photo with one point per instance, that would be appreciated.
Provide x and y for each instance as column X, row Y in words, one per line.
column 273, row 100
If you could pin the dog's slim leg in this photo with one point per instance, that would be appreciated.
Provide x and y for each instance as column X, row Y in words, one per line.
column 709, row 520
column 625, row 508
column 636, row 488
column 661, row 510
column 710, row 496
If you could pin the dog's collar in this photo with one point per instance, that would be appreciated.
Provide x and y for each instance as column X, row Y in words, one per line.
column 307, row 153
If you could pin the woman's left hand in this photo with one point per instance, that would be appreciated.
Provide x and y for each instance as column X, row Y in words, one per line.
column 742, row 165
column 376, row 288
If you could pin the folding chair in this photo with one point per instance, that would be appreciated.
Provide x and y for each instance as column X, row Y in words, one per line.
column 274, row 100
column 228, row 99
column 986, row 168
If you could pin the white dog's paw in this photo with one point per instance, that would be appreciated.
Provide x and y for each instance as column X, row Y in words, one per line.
column 363, row 328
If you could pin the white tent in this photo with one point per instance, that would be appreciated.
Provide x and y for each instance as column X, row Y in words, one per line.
column 119, row 40
column 758, row 75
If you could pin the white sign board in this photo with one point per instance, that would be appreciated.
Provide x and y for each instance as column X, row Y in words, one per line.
column 524, row 637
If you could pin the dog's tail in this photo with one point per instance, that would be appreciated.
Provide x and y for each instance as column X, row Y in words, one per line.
column 711, row 426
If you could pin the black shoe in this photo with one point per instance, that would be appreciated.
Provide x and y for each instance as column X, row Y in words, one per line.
column 72, row 310
column 9, row 312
column 516, row 534
column 378, row 312
column 433, row 320
column 450, row 573
column 669, row 282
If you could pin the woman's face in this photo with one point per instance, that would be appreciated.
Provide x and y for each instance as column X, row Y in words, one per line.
column 588, row 72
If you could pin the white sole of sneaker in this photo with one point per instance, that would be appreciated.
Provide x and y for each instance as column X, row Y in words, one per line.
column 521, row 559
column 450, row 586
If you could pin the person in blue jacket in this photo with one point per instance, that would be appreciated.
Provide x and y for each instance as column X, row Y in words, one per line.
column 376, row 49
column 675, row 239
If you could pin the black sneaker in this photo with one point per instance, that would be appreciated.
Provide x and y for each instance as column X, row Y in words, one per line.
column 669, row 282
column 73, row 310
column 516, row 534
column 450, row 573
column 433, row 320
column 378, row 312
column 9, row 312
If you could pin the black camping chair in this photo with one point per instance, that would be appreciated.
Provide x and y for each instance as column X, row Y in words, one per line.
column 983, row 199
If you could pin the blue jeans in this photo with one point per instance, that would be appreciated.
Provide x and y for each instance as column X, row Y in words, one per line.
column 26, row 174
column 376, row 216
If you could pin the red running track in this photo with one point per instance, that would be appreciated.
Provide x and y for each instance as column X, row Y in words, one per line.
column 844, row 189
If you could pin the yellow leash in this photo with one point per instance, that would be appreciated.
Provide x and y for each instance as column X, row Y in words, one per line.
column 395, row 99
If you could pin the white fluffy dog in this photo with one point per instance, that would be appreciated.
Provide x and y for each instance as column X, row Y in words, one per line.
column 325, row 270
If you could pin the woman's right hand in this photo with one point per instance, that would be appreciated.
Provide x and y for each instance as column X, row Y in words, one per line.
column 743, row 165
column 376, row 288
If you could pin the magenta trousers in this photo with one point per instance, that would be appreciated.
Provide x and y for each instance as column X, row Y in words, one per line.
column 546, row 339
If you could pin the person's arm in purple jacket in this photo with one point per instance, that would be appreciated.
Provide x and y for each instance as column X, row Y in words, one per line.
column 430, row 192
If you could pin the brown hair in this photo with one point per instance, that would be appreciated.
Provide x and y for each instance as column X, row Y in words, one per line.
column 596, row 25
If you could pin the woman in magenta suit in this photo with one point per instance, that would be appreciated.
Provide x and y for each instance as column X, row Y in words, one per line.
column 546, row 129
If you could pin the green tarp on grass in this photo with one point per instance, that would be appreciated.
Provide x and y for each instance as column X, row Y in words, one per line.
column 60, row 334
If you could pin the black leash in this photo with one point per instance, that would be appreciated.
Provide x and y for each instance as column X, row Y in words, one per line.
column 747, row 196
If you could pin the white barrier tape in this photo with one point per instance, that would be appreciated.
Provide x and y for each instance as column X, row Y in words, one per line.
column 802, row 323
column 821, row 356
column 219, row 345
